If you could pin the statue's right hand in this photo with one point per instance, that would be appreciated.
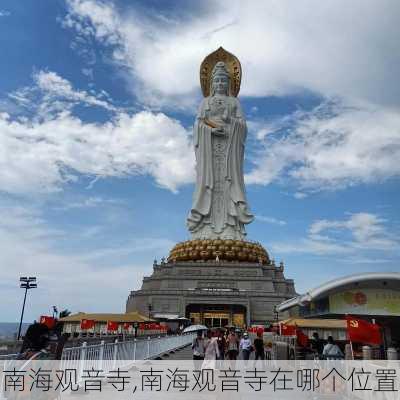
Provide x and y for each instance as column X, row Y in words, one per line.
column 218, row 131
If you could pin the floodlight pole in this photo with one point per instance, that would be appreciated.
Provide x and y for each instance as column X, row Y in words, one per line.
column 22, row 313
column 26, row 283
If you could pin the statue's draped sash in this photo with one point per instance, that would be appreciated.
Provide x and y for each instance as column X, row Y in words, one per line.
column 236, row 207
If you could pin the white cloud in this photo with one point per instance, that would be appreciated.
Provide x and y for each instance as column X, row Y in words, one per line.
column 55, row 86
column 270, row 220
column 4, row 13
column 41, row 153
column 353, row 237
column 300, row 195
column 368, row 231
column 51, row 94
column 89, row 202
column 284, row 47
column 83, row 281
column 332, row 146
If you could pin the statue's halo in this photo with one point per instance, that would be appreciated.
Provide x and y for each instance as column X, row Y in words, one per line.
column 232, row 64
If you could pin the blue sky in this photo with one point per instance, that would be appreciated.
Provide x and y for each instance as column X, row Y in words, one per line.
column 97, row 101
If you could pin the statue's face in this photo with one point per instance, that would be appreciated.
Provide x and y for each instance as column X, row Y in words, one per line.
column 220, row 84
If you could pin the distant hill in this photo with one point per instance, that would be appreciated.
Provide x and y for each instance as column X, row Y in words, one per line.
column 9, row 330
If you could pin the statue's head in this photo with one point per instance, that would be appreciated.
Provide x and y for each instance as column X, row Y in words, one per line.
column 220, row 79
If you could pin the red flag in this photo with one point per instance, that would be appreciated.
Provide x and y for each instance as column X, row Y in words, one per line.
column 87, row 323
column 361, row 331
column 142, row 326
column 112, row 326
column 302, row 338
column 288, row 330
column 48, row 321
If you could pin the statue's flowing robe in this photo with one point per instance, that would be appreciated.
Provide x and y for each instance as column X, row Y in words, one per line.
column 200, row 220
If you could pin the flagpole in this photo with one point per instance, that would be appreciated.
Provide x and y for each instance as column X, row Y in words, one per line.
column 383, row 338
column 347, row 331
column 351, row 347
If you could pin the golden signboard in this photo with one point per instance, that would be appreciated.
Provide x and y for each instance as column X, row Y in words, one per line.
column 238, row 320
column 216, row 315
column 195, row 318
column 366, row 301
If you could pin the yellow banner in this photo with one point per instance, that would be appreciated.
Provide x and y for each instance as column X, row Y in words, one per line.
column 366, row 301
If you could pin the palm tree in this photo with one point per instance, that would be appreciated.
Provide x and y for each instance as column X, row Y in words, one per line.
column 64, row 313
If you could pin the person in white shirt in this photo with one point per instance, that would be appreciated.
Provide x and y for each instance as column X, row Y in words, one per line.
column 332, row 351
column 245, row 346
column 212, row 351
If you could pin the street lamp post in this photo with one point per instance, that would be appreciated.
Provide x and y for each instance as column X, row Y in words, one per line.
column 25, row 283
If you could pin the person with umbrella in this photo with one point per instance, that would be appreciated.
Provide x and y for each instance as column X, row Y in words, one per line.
column 198, row 346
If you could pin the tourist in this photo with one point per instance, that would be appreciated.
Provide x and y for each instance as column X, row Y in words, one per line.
column 44, row 345
column 198, row 347
column 317, row 344
column 35, row 342
column 245, row 346
column 211, row 351
column 232, row 345
column 332, row 351
column 259, row 346
column 221, row 344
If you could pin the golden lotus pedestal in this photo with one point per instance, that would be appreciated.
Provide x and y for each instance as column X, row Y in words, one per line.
column 219, row 250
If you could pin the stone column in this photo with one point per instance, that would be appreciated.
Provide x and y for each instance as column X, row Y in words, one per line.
column 248, row 314
column 392, row 353
column 367, row 353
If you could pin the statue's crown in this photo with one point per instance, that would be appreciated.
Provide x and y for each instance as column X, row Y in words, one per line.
column 219, row 69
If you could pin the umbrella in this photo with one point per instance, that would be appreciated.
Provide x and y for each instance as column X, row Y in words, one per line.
column 194, row 328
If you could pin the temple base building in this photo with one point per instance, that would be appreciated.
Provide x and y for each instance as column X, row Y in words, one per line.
column 210, row 288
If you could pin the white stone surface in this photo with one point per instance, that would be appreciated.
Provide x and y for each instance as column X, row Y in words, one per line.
column 219, row 208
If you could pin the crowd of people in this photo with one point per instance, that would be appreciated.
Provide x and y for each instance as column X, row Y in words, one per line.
column 327, row 350
column 232, row 345
column 227, row 345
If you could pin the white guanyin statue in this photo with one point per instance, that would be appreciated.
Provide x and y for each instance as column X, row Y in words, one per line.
column 220, row 208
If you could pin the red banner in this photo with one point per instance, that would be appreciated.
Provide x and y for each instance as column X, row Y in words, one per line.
column 87, row 324
column 112, row 326
column 361, row 331
column 288, row 330
column 50, row 322
column 302, row 338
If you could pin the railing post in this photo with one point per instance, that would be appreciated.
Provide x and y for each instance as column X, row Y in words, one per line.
column 101, row 355
column 134, row 348
column 115, row 353
column 82, row 358
column 148, row 348
column 391, row 353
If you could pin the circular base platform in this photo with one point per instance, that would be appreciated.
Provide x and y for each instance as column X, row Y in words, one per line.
column 219, row 249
